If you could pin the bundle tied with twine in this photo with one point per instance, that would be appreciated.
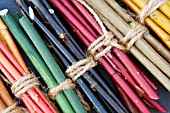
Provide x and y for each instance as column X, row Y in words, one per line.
column 62, row 86
column 24, row 84
column 151, row 6
column 67, row 84
column 108, row 41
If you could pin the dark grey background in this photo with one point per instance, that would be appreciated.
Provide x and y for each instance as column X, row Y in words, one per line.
column 165, row 95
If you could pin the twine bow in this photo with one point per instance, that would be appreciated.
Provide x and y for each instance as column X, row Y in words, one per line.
column 106, row 40
column 78, row 68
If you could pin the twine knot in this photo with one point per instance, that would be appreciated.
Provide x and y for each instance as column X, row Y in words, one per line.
column 15, row 109
column 24, row 84
column 151, row 6
column 78, row 68
column 66, row 85
column 62, row 86
column 133, row 35
column 107, row 40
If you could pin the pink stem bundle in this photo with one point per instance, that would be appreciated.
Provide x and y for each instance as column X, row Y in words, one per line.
column 134, row 71
column 110, row 62
column 34, row 99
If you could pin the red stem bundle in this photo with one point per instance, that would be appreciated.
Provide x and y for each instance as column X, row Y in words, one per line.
column 139, row 78
column 33, row 99
column 79, row 17
column 131, row 67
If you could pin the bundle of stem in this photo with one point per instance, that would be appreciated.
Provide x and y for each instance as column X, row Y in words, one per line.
column 141, row 49
column 67, row 41
column 33, row 99
column 69, row 15
column 50, row 62
column 42, row 68
column 153, row 21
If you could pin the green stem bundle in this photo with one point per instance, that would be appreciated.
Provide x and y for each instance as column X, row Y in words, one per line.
column 51, row 63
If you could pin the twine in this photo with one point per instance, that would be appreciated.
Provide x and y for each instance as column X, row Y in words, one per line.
column 15, row 109
column 107, row 40
column 78, row 68
column 133, row 35
column 149, row 8
column 25, row 83
column 62, row 86
column 80, row 96
column 66, row 85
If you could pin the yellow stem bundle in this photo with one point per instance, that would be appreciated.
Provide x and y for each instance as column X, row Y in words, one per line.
column 157, row 15
column 165, row 37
